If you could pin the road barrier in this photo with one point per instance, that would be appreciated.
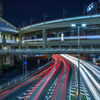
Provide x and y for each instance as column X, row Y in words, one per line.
column 5, row 85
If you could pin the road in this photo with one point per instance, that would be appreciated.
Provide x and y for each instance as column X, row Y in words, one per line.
column 48, row 83
column 90, row 73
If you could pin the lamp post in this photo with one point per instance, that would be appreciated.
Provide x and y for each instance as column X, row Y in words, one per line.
column 25, row 60
column 31, row 20
column 44, row 17
column 78, row 70
column 44, row 31
column 78, row 26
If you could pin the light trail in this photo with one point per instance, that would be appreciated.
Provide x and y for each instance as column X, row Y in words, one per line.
column 84, row 72
column 60, row 90
column 24, row 82
column 59, row 69
column 48, row 76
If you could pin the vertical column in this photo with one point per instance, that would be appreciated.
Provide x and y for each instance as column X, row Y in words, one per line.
column 14, row 39
column 11, row 58
column 3, row 39
column 11, row 37
column 70, row 47
column 44, row 37
column 59, row 46
column 4, row 59
column 1, row 64
column 0, row 35
column 49, row 46
column 58, row 34
column 81, row 46
column 49, row 57
column 91, row 47
column 38, row 47
column 1, row 60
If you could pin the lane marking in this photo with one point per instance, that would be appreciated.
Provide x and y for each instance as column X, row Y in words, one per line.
column 50, row 96
column 49, row 89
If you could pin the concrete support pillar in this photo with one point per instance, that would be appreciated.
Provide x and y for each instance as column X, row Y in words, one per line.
column 20, row 58
column 3, row 39
column 19, row 47
column 49, row 57
column 38, row 47
column 81, row 47
column 49, row 46
column 11, row 60
column 58, row 34
column 7, row 60
column 4, row 59
column 70, row 47
column 91, row 47
column 59, row 46
column 97, row 32
column 15, row 38
column 1, row 62
column 11, row 37
column 44, row 37
column 35, row 36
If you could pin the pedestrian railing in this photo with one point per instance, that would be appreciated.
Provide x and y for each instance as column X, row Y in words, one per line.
column 5, row 85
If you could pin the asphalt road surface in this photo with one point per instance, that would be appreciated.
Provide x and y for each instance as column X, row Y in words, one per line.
column 48, row 83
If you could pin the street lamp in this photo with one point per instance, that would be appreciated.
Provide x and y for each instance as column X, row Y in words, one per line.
column 73, row 25
column 83, row 25
column 78, row 71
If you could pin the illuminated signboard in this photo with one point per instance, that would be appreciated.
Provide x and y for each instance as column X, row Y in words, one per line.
column 90, row 7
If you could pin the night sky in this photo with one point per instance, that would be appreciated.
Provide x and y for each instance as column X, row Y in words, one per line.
column 17, row 11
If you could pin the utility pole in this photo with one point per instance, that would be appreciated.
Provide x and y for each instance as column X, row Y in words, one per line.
column 31, row 20
column 64, row 13
column 44, row 17
column 23, row 24
column 44, row 31
column 1, row 10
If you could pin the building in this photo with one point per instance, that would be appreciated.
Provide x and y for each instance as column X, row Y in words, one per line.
column 93, row 8
column 1, row 10
column 8, row 37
